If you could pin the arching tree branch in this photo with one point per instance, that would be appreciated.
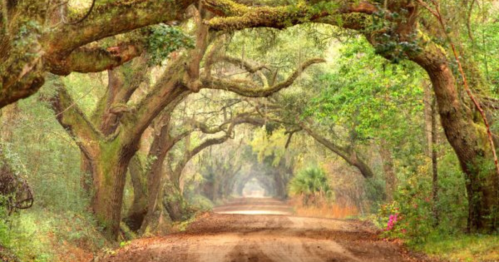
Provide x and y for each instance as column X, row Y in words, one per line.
column 234, row 16
column 73, row 119
column 249, row 89
column 115, row 17
column 244, row 64
column 350, row 156
column 22, row 72
column 88, row 60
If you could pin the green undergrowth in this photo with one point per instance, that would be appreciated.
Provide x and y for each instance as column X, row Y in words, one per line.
column 39, row 235
column 445, row 246
column 201, row 203
column 461, row 247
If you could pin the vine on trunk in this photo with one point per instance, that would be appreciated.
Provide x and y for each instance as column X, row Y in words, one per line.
column 436, row 12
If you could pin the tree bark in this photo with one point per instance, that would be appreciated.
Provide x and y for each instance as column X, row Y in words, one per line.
column 110, row 155
column 467, row 138
column 174, row 202
column 138, row 209
column 109, row 175
column 59, row 47
column 161, row 145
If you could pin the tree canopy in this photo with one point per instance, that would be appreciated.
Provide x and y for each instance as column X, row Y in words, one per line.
column 166, row 103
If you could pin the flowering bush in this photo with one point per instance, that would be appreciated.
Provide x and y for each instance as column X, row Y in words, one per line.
column 392, row 221
column 410, row 216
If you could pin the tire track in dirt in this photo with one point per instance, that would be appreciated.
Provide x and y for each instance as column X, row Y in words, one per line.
column 265, row 238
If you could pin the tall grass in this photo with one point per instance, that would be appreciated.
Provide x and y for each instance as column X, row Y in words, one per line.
column 312, row 196
column 323, row 209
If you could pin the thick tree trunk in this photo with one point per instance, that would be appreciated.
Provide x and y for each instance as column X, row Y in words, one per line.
column 138, row 209
column 155, row 182
column 467, row 138
column 161, row 145
column 110, row 166
column 109, row 181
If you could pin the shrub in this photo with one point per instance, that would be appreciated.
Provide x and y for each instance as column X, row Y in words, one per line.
column 311, row 184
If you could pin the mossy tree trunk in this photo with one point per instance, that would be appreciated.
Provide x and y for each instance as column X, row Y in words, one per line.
column 467, row 135
column 174, row 202
column 148, row 183
column 138, row 209
column 109, row 176
column 111, row 154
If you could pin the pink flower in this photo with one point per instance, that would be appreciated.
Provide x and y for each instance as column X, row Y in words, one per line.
column 392, row 220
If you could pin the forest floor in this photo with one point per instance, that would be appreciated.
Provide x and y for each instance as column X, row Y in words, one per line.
column 271, row 233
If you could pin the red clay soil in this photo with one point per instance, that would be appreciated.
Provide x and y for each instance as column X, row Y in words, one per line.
column 266, row 238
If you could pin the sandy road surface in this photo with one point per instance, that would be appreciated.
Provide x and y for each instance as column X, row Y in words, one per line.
column 230, row 236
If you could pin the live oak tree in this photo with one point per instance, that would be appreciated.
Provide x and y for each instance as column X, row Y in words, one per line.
column 400, row 30
column 347, row 111
column 374, row 110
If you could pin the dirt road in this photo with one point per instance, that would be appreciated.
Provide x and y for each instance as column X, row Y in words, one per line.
column 231, row 236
